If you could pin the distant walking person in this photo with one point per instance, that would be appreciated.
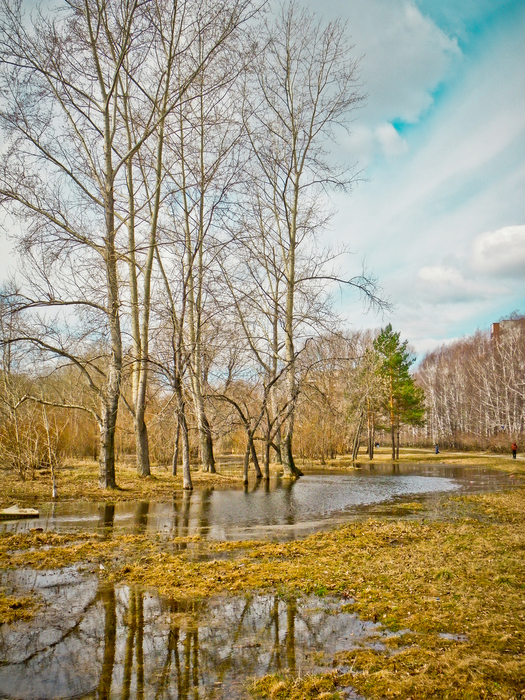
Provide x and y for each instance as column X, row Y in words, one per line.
column 437, row 450
column 514, row 449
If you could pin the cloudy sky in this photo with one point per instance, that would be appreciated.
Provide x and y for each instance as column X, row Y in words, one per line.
column 440, row 218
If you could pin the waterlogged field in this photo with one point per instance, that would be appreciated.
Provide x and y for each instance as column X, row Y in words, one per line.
column 422, row 607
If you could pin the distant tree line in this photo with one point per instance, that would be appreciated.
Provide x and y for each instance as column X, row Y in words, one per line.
column 475, row 388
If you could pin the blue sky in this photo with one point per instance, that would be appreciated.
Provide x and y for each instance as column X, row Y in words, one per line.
column 440, row 217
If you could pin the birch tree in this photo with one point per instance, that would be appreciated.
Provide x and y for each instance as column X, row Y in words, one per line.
column 203, row 171
column 187, row 40
column 60, row 76
column 304, row 84
column 86, row 92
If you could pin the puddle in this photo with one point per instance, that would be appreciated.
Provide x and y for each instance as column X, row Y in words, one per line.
column 276, row 510
column 95, row 640
column 454, row 637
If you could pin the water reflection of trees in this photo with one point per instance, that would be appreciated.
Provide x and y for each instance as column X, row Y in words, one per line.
column 201, row 511
column 137, row 645
column 255, row 635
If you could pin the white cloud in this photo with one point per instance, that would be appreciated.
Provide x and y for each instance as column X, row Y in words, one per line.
column 501, row 253
column 391, row 142
column 424, row 345
column 404, row 57
column 441, row 284
column 417, row 218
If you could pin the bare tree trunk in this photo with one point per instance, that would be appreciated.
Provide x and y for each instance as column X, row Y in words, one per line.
column 184, row 432
column 255, row 459
column 246, row 462
column 51, row 455
column 176, row 449
column 142, row 443
column 107, row 444
column 357, row 438
column 289, row 468
column 267, row 445
column 112, row 391
column 207, row 457
column 371, row 435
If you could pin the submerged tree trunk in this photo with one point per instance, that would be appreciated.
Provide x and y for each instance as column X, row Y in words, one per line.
column 255, row 460
column 267, row 445
column 246, row 463
column 290, row 470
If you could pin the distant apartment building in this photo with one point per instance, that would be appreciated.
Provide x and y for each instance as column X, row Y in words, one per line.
column 501, row 328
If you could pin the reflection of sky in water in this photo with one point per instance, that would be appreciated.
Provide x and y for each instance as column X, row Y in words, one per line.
column 93, row 640
column 316, row 496
column 280, row 509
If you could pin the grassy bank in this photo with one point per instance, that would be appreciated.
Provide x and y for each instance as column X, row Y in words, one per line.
column 79, row 481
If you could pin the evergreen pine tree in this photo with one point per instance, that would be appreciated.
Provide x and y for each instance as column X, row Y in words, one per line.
column 404, row 401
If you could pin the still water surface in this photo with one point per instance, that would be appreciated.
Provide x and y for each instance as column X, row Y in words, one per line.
column 95, row 640
column 277, row 510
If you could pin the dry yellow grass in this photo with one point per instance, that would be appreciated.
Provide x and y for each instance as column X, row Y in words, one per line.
column 14, row 608
column 79, row 481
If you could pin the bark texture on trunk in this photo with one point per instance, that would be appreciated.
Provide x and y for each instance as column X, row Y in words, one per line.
column 107, row 444
column 290, row 470
column 255, row 459
column 207, row 458
column 182, row 428
column 142, row 443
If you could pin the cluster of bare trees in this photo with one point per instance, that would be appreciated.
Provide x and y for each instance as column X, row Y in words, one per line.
column 165, row 175
column 357, row 384
column 475, row 388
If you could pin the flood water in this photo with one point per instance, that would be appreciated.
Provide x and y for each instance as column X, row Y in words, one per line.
column 281, row 509
column 94, row 640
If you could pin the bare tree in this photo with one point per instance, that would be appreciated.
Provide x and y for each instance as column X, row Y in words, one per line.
column 188, row 41
column 60, row 75
column 303, row 85
column 87, row 91
column 203, row 170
